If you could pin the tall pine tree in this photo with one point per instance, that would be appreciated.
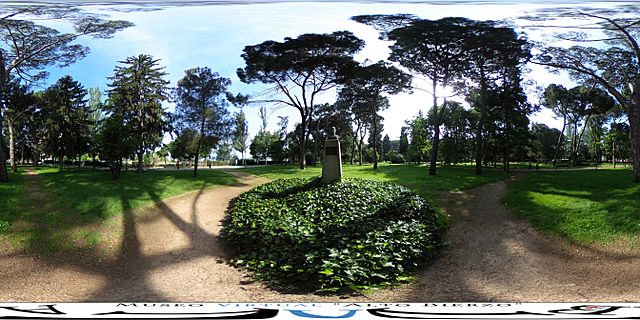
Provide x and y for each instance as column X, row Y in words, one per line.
column 67, row 119
column 201, row 106
column 137, row 91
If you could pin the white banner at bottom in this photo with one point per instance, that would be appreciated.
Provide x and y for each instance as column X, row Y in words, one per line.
column 277, row 311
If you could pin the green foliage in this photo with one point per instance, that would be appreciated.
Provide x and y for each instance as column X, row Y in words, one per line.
column 395, row 157
column 67, row 127
column 346, row 236
column 456, row 145
column 544, row 141
column 420, row 131
column 185, row 146
column 299, row 69
column 29, row 47
column 240, row 133
column 404, row 141
column 223, row 152
column 264, row 145
column 583, row 206
column 616, row 142
column 202, row 108
column 386, row 146
column 115, row 143
column 136, row 92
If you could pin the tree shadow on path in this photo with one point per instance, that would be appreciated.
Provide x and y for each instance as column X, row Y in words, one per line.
column 494, row 256
column 152, row 240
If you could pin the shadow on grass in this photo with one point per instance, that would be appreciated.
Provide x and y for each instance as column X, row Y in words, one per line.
column 49, row 226
column 583, row 206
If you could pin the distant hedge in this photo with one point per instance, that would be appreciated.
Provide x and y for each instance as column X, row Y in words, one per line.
column 351, row 235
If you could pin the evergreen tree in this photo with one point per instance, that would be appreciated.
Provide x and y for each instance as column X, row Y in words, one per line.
column 240, row 134
column 22, row 106
column 28, row 47
column 115, row 143
column 201, row 105
column 137, row 91
column 96, row 116
column 386, row 146
column 403, row 147
column 67, row 124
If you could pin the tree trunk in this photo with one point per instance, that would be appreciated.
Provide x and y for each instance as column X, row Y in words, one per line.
column 4, row 176
column 507, row 146
column 586, row 122
column 436, row 133
column 559, row 144
column 140, row 161
column 115, row 169
column 613, row 154
column 195, row 163
column 316, row 149
column 479, row 140
column 574, row 145
column 303, row 143
column 362, row 134
column 375, row 142
column 483, row 114
column 634, row 133
column 354, row 146
column 12, row 147
column 507, row 151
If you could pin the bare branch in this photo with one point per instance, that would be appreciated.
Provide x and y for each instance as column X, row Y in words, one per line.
column 632, row 41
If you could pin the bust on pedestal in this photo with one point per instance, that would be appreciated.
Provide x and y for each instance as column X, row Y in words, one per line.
column 332, row 163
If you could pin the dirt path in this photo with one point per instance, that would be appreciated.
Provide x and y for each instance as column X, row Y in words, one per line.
column 170, row 252
column 495, row 256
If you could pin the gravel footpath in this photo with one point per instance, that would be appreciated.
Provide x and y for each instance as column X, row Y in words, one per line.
column 170, row 252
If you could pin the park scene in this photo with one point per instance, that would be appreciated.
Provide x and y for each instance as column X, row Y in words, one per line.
column 316, row 151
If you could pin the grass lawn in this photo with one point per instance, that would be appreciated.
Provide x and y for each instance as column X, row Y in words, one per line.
column 13, row 195
column 410, row 176
column 95, row 193
column 55, row 209
column 585, row 206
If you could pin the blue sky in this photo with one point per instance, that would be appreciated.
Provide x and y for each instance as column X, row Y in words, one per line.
column 214, row 36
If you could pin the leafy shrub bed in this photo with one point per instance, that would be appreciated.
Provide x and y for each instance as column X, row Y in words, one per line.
column 350, row 235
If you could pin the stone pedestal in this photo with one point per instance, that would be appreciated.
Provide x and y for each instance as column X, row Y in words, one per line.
column 332, row 161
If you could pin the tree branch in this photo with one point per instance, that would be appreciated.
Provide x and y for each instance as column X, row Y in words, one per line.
column 632, row 41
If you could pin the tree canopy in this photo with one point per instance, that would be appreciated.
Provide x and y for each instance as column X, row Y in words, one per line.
column 202, row 106
column 613, row 64
column 300, row 69
column 27, row 47
column 137, row 91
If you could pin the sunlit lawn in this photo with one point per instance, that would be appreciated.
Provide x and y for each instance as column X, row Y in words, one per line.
column 13, row 195
column 410, row 176
column 76, row 199
column 95, row 193
column 585, row 206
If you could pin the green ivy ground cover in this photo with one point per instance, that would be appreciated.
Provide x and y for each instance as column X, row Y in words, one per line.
column 350, row 235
